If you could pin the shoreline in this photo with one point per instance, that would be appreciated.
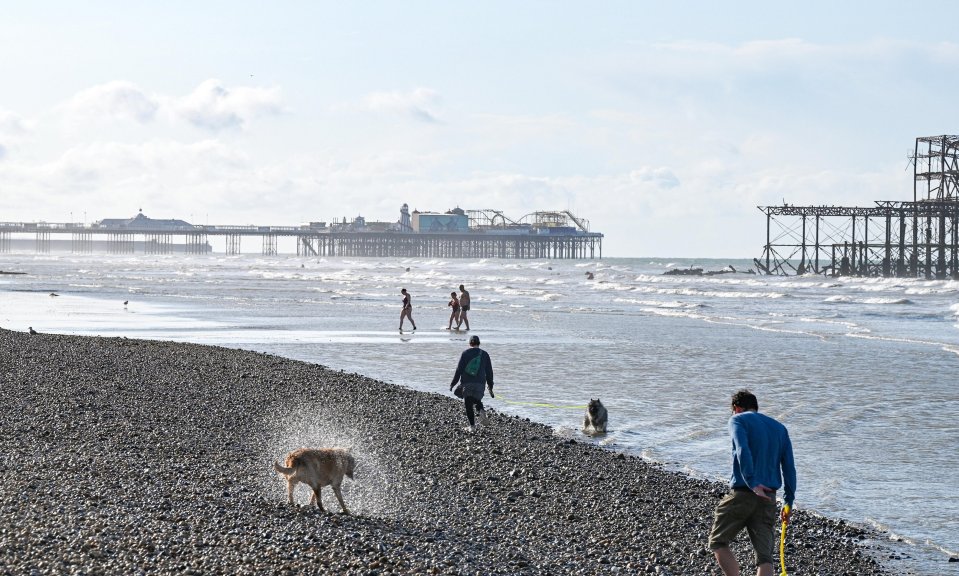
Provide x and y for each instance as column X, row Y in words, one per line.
column 133, row 456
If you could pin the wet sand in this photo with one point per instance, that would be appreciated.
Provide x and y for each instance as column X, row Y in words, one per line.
column 136, row 457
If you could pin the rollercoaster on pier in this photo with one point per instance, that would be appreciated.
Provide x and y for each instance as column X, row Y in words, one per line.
column 910, row 239
column 455, row 233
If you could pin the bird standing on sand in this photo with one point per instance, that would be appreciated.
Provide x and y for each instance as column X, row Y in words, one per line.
column 125, row 302
column 32, row 331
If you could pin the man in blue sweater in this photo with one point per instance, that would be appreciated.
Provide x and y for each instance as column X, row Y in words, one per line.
column 762, row 463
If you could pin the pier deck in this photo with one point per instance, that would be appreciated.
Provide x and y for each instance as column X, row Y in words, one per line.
column 81, row 238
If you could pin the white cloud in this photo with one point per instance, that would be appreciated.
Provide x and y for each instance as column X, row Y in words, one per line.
column 213, row 106
column 118, row 99
column 111, row 179
column 420, row 104
column 12, row 129
column 662, row 177
column 11, row 125
column 673, row 161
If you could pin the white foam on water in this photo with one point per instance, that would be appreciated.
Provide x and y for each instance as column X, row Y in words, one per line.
column 887, row 301
column 839, row 298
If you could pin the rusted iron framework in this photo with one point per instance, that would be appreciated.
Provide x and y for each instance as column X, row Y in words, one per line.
column 915, row 239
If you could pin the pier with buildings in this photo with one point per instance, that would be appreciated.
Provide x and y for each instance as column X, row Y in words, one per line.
column 917, row 238
column 456, row 233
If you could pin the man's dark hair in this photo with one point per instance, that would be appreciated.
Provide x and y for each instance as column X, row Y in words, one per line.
column 745, row 400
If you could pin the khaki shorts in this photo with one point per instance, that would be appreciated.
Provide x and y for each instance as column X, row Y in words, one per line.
column 742, row 509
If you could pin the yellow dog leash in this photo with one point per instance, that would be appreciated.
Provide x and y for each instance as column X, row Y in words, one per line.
column 782, row 539
column 538, row 404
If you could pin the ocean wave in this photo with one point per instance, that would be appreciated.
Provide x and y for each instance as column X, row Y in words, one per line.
column 683, row 305
column 886, row 301
column 509, row 291
column 672, row 304
column 922, row 291
column 845, row 324
column 845, row 299
column 719, row 294
column 603, row 285
column 838, row 298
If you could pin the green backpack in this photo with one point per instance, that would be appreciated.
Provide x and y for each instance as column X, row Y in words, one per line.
column 473, row 366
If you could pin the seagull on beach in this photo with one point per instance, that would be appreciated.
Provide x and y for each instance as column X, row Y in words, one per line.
column 32, row 331
column 125, row 302
column 54, row 294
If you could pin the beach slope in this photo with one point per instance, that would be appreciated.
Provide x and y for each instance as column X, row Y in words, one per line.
column 135, row 457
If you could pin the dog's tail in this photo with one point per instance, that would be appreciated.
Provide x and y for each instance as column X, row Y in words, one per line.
column 282, row 470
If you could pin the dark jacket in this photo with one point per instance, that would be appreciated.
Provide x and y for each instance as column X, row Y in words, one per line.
column 474, row 385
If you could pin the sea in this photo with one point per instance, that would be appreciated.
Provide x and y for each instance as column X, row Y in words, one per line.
column 862, row 371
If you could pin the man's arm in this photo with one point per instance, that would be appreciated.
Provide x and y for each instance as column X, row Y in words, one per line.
column 737, row 431
column 488, row 365
column 458, row 373
column 788, row 465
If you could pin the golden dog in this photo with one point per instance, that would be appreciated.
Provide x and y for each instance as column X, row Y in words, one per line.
column 317, row 467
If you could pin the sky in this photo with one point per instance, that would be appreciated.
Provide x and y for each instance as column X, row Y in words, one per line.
column 663, row 124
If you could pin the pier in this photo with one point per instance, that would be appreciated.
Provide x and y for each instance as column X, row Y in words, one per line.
column 917, row 238
column 453, row 234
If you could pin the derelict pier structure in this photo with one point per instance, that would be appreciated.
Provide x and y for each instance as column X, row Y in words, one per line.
column 911, row 239
column 453, row 234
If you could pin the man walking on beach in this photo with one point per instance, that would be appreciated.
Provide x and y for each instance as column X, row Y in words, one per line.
column 762, row 463
column 476, row 371
column 464, row 307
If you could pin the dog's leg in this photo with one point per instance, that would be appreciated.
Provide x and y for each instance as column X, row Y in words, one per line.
column 339, row 496
column 318, row 498
column 290, row 483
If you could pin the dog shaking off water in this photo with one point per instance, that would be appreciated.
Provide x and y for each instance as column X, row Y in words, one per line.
column 317, row 467
column 596, row 417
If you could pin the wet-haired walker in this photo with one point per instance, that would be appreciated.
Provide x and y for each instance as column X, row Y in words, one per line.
column 454, row 303
column 407, row 311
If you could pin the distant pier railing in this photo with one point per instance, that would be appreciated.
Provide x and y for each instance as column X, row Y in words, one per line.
column 195, row 239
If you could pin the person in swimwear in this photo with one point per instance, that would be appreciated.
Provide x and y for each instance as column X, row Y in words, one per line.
column 407, row 311
column 454, row 303
column 464, row 307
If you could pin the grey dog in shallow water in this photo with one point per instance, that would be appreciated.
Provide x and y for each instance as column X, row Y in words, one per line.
column 318, row 467
column 596, row 417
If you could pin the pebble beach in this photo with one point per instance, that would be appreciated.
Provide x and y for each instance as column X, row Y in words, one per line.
column 124, row 456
